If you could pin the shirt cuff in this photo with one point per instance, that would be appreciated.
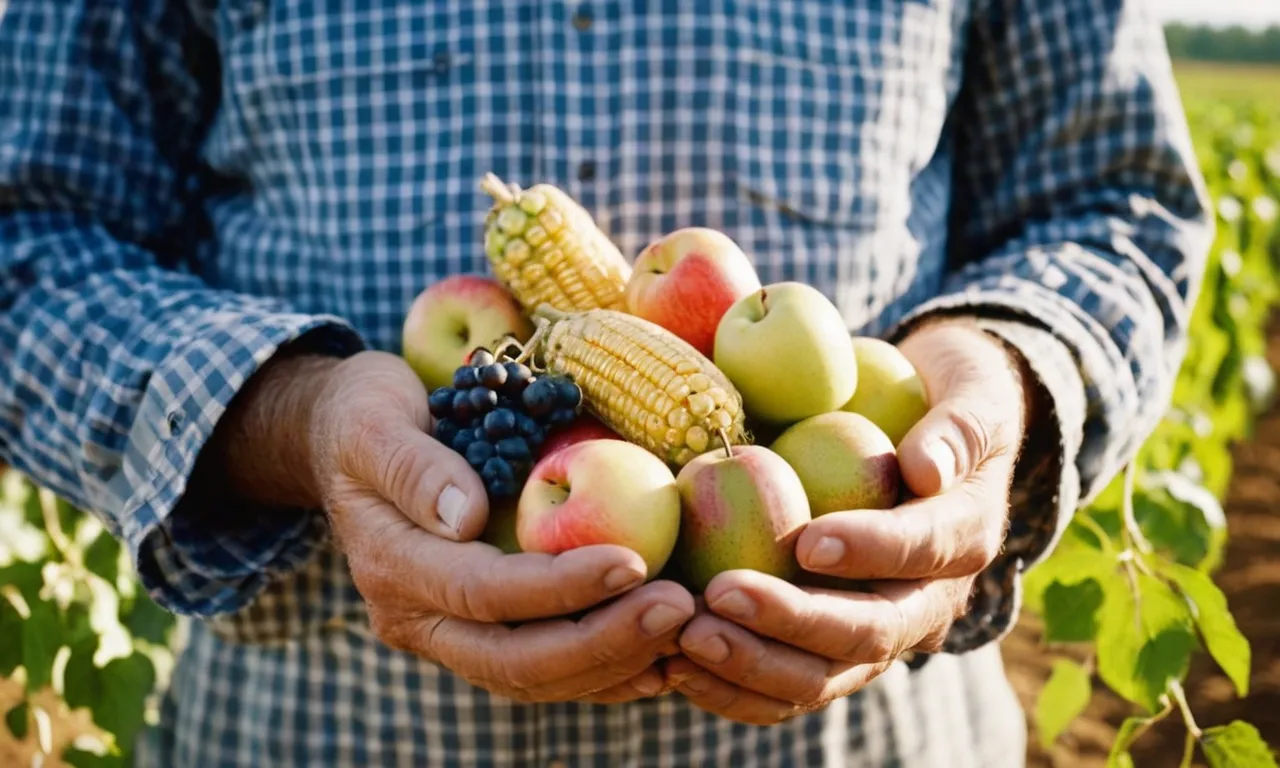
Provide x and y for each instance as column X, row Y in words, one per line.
column 200, row 557
column 1045, row 492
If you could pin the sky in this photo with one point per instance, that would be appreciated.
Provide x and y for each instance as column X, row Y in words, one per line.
column 1251, row 13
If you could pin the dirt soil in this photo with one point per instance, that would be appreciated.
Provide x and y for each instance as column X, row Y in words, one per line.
column 1251, row 580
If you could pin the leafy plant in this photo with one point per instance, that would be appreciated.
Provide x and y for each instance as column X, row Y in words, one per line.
column 1130, row 588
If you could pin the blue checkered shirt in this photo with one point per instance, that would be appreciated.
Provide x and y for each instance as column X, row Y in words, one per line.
column 187, row 186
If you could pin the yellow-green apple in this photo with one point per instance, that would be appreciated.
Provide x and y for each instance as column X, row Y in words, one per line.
column 454, row 316
column 585, row 427
column 844, row 461
column 786, row 349
column 889, row 391
column 500, row 529
column 601, row 492
column 743, row 510
column 686, row 280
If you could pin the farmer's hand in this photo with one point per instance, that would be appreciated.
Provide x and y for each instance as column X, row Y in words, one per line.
column 767, row 650
column 406, row 510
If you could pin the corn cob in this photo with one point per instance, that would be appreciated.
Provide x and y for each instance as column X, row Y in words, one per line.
column 643, row 382
column 548, row 250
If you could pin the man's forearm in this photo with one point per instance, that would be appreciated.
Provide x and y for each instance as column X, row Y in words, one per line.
column 261, row 450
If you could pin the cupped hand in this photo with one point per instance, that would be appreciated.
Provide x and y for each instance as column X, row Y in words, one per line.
column 766, row 650
column 406, row 511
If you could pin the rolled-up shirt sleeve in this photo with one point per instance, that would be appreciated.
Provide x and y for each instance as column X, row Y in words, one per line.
column 117, row 358
column 1081, row 227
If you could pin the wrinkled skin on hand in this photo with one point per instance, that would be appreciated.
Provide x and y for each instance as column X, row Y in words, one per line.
column 406, row 511
column 762, row 650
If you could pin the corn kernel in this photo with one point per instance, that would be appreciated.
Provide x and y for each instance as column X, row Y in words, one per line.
column 494, row 242
column 679, row 418
column 701, row 405
column 517, row 252
column 535, row 235
column 674, row 438
column 678, row 390
column 697, row 439
column 532, row 202
column 551, row 221
column 699, row 382
column 718, row 396
column 687, row 367
column 720, row 419
column 512, row 220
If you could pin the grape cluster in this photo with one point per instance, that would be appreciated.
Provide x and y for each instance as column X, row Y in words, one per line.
column 498, row 413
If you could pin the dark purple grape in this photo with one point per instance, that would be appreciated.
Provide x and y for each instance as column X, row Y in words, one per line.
column 462, row 408
column 482, row 400
column 440, row 402
column 530, row 430
column 445, row 431
column 500, row 423
column 497, row 469
column 539, row 397
column 480, row 357
column 465, row 378
column 503, row 489
column 478, row 453
column 510, row 403
column 478, row 433
column 568, row 394
column 518, row 377
column 462, row 441
column 493, row 376
column 561, row 417
column 514, row 450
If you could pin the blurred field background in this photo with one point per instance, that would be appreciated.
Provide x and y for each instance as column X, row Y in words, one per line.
column 1234, row 110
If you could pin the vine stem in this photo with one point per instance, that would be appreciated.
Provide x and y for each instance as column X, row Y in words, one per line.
column 1131, row 532
column 53, row 526
column 1180, row 696
column 1104, row 540
column 531, row 347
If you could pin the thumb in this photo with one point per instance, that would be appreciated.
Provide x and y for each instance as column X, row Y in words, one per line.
column 429, row 483
column 975, row 413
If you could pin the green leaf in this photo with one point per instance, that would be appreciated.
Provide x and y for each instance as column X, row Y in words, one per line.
column 1062, row 699
column 18, row 720
column 41, row 638
column 1130, row 730
column 1236, row 745
column 11, row 632
column 1065, row 567
column 1223, row 639
column 103, row 557
column 82, row 683
column 130, row 680
column 1071, row 611
column 1144, row 641
column 26, row 577
column 147, row 620
column 1182, row 520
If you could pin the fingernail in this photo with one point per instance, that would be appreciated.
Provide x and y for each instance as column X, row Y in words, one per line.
column 450, row 507
column 944, row 459
column 660, row 619
column 826, row 553
column 696, row 684
column 622, row 577
column 713, row 649
column 647, row 686
column 735, row 605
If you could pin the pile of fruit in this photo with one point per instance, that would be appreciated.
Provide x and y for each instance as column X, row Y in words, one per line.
column 609, row 403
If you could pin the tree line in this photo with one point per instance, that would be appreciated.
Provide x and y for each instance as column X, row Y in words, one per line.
column 1204, row 43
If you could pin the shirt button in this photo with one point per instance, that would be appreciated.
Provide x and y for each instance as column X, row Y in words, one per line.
column 587, row 170
column 173, row 423
column 582, row 19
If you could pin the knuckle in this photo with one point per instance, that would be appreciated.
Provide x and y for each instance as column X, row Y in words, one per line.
column 972, row 430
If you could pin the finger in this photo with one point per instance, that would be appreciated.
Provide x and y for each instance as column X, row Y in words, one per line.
column 853, row 627
column 955, row 534
column 646, row 685
column 557, row 660
column 765, row 666
column 428, row 482
column 719, row 697
column 394, row 562
column 976, row 408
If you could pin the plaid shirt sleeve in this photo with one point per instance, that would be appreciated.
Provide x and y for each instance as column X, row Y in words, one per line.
column 116, row 359
column 1079, row 239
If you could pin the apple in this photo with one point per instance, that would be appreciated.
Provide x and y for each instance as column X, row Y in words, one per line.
column 889, row 391
column 844, row 461
column 743, row 510
column 686, row 281
column 454, row 316
column 601, row 492
column 786, row 349
column 585, row 427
